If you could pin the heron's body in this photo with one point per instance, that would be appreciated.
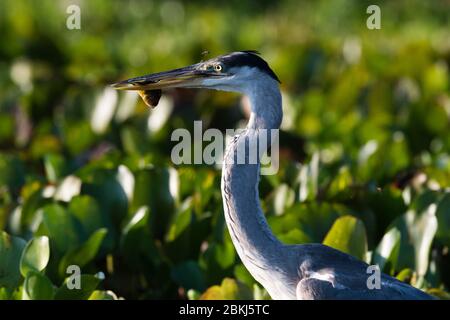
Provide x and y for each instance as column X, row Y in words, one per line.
column 309, row 271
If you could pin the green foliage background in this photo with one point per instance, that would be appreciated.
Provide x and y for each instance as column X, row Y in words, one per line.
column 86, row 176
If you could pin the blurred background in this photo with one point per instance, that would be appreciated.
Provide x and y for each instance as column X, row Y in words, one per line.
column 365, row 141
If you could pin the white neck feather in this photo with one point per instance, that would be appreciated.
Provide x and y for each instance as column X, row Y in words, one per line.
column 256, row 245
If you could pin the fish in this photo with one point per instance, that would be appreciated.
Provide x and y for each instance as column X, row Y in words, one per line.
column 150, row 97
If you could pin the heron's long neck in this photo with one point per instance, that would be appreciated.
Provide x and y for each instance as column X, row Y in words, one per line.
column 254, row 241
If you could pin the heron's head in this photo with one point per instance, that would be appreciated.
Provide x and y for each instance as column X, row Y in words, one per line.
column 231, row 72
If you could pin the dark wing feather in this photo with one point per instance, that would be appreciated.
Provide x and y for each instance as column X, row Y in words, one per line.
column 327, row 273
column 315, row 289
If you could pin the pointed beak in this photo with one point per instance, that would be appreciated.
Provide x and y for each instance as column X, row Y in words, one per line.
column 187, row 77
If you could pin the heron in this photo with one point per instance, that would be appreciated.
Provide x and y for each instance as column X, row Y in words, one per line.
column 304, row 271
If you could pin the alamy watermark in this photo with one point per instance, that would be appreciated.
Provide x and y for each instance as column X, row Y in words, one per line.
column 374, row 20
column 74, row 280
column 374, row 280
column 73, row 21
column 250, row 147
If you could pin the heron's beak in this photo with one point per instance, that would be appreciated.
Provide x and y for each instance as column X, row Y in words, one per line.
column 187, row 77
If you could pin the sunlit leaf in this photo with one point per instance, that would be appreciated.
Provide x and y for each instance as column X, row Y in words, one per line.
column 260, row 293
column 348, row 235
column 313, row 220
column 35, row 256
column 341, row 182
column 439, row 293
column 294, row 236
column 417, row 231
column 193, row 294
column 54, row 166
column 69, row 187
column 283, row 198
column 405, row 275
column 386, row 253
column 229, row 289
column 103, row 295
column 308, row 179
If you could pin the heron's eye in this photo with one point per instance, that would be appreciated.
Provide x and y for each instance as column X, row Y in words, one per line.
column 217, row 67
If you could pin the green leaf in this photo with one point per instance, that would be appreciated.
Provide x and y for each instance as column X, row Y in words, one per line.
column 348, row 235
column 424, row 200
column 7, row 127
column 193, row 294
column 54, row 165
column 294, row 236
column 88, row 285
column 181, row 221
column 313, row 220
column 218, row 260
column 341, row 183
column 308, row 178
column 386, row 253
column 12, row 172
column 61, row 227
column 417, row 229
column 35, row 256
column 11, row 249
column 439, row 293
column 443, row 218
column 86, row 209
column 283, row 198
column 229, row 289
column 4, row 294
column 33, row 201
column 83, row 254
column 102, row 185
column 188, row 275
column 37, row 287
column 241, row 274
column 139, row 220
column 103, row 295
column 218, row 256
column 405, row 275
column 158, row 190
column 137, row 243
column 78, row 136
column 259, row 293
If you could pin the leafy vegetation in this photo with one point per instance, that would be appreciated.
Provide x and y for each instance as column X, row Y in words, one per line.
column 85, row 172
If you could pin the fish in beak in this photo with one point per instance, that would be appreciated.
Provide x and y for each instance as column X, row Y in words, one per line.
column 150, row 86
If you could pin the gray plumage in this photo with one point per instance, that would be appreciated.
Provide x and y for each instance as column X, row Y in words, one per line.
column 309, row 271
